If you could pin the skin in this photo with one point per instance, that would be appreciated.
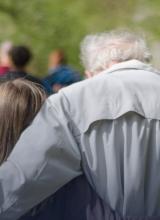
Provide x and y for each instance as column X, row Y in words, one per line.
column 89, row 74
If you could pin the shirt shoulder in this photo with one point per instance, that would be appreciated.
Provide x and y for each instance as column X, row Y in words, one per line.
column 109, row 96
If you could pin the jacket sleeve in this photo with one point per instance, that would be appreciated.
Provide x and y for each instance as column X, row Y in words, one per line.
column 44, row 159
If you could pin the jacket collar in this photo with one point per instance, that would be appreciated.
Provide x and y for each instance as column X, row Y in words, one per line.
column 131, row 64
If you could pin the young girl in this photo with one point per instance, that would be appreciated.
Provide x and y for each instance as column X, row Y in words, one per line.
column 20, row 101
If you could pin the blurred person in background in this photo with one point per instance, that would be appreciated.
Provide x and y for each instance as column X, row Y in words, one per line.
column 60, row 74
column 4, row 57
column 106, row 127
column 19, row 58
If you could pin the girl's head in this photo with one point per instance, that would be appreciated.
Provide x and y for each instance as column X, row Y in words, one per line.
column 20, row 100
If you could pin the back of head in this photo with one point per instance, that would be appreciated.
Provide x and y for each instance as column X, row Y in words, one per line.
column 20, row 56
column 100, row 50
column 20, row 100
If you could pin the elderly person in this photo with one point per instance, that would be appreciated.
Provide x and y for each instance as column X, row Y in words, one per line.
column 107, row 127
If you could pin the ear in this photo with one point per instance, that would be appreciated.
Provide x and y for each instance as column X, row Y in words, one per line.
column 88, row 74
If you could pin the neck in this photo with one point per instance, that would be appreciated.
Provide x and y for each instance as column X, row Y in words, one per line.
column 111, row 64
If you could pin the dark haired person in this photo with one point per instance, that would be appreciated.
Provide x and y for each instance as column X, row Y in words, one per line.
column 19, row 57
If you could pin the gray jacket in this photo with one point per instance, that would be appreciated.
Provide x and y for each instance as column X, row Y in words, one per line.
column 107, row 127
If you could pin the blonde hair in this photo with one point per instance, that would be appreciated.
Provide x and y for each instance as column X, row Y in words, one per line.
column 20, row 100
column 99, row 50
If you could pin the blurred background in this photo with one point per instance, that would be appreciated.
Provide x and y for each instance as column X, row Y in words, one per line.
column 44, row 25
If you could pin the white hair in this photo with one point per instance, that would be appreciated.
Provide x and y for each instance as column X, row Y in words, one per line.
column 100, row 50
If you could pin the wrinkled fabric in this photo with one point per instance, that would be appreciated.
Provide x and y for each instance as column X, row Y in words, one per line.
column 74, row 201
column 106, row 127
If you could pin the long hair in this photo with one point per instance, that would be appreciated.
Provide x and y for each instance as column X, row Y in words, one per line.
column 20, row 100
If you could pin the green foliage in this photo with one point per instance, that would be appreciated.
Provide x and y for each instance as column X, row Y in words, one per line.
column 44, row 25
